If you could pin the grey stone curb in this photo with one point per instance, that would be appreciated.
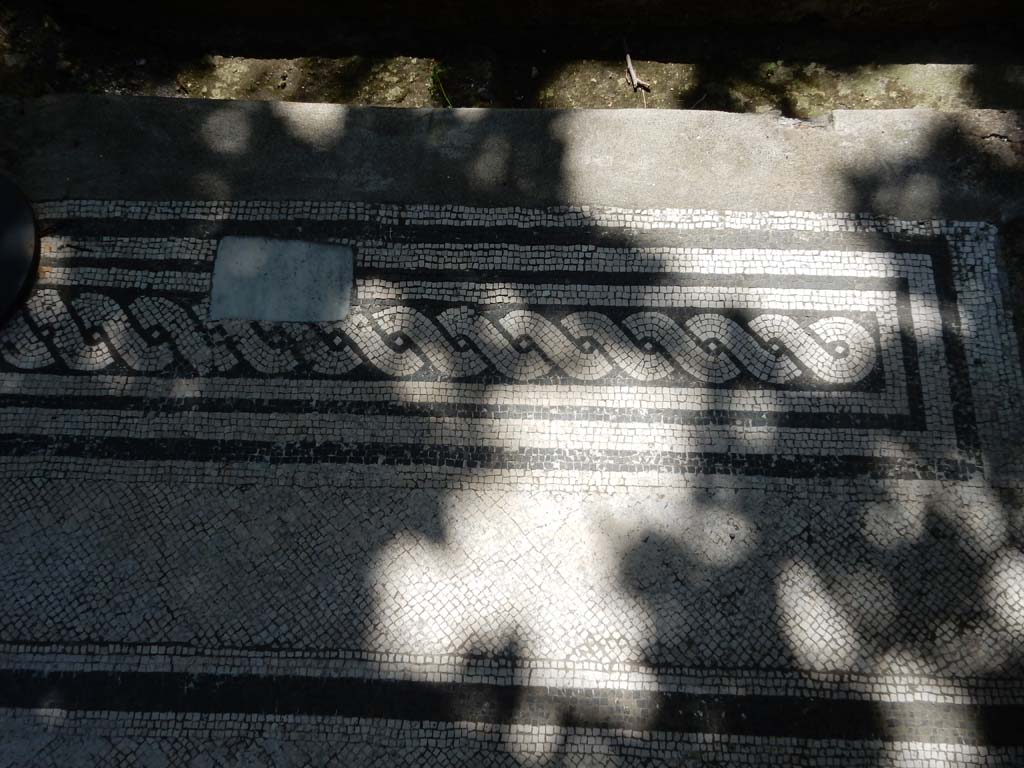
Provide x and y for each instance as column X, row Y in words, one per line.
column 907, row 163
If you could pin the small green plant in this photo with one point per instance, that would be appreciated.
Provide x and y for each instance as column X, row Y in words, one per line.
column 436, row 84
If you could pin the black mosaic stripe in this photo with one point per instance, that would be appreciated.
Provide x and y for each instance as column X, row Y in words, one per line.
column 637, row 278
column 956, row 356
column 911, row 364
column 134, row 265
column 482, row 457
column 307, row 229
column 766, row 716
column 713, row 417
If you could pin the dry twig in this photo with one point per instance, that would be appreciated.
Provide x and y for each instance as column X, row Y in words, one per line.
column 635, row 82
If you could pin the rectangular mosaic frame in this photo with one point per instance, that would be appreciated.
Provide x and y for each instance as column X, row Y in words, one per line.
column 956, row 255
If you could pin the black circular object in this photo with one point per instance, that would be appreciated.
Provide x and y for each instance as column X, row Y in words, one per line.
column 17, row 245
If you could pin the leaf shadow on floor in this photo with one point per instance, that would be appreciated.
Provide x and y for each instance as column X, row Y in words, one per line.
column 805, row 558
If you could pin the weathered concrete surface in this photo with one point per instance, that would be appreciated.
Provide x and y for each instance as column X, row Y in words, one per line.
column 913, row 164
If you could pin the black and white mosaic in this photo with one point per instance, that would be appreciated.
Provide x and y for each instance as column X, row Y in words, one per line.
column 155, row 334
column 575, row 484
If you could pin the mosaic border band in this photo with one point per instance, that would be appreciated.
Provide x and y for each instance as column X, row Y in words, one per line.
column 964, row 239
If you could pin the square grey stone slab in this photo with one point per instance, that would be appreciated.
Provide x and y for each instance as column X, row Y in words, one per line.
column 259, row 278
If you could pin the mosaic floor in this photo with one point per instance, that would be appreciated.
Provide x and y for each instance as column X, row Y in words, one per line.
column 569, row 486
